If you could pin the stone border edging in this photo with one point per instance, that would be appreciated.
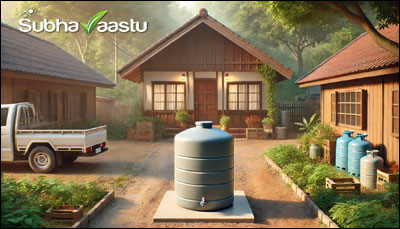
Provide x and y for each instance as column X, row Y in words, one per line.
column 95, row 210
column 300, row 193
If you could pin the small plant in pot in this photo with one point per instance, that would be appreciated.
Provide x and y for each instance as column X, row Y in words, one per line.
column 268, row 124
column 224, row 122
column 253, row 121
column 182, row 117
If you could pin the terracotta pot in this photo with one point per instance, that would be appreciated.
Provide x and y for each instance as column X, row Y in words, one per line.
column 225, row 128
column 183, row 125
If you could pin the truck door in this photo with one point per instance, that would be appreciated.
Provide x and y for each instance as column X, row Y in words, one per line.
column 7, row 139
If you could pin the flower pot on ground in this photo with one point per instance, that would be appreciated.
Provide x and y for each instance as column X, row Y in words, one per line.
column 253, row 121
column 182, row 117
column 224, row 122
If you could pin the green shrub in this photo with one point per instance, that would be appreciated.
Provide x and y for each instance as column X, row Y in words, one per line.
column 310, row 175
column 182, row 116
column 368, row 214
column 24, row 202
column 268, row 121
column 391, row 198
column 286, row 154
column 225, row 120
column 317, row 134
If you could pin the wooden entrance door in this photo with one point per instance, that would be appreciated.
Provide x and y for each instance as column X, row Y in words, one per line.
column 206, row 100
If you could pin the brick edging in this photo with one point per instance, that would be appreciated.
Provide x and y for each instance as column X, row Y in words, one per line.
column 299, row 192
column 95, row 210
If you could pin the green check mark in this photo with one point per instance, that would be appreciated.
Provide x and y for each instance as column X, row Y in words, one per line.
column 89, row 27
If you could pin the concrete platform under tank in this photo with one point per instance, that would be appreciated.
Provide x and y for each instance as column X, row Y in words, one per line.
column 169, row 211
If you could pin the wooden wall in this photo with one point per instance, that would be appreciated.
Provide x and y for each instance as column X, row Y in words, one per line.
column 378, row 112
column 15, row 87
column 202, row 49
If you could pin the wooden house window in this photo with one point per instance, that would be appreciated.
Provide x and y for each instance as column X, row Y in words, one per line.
column 244, row 96
column 45, row 104
column 348, row 108
column 168, row 96
column 395, row 113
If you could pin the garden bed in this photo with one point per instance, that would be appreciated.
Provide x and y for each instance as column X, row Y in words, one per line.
column 368, row 209
column 24, row 203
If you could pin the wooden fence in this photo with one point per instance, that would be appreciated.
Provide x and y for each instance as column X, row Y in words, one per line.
column 296, row 110
column 109, row 109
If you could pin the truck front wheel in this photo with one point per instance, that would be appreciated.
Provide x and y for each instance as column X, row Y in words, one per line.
column 42, row 159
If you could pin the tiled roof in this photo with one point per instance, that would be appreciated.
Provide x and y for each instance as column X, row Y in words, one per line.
column 203, row 17
column 361, row 55
column 26, row 53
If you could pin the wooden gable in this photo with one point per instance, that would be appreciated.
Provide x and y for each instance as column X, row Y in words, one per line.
column 203, row 49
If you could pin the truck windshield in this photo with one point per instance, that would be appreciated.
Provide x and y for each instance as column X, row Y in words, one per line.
column 4, row 114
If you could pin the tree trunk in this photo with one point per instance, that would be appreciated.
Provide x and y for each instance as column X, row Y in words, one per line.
column 300, row 64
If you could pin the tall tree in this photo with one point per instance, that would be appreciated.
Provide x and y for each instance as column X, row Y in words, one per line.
column 300, row 12
column 255, row 21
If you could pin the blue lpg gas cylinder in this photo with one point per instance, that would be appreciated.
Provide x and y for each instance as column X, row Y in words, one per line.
column 357, row 149
column 341, row 150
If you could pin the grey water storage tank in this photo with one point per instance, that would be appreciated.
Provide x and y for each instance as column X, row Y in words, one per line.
column 368, row 170
column 204, row 163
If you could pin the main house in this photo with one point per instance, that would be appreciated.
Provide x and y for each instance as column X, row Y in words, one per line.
column 62, row 88
column 360, row 92
column 204, row 68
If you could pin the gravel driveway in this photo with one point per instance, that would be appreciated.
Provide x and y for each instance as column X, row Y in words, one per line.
column 141, row 172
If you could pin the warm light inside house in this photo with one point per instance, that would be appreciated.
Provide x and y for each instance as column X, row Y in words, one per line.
column 226, row 76
column 183, row 77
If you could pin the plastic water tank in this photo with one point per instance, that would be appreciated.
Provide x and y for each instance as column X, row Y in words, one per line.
column 357, row 149
column 204, row 168
column 342, row 144
column 369, row 166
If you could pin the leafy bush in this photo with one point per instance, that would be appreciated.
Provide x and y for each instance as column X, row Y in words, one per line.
column 308, row 125
column 368, row 214
column 24, row 202
column 268, row 121
column 317, row 134
column 225, row 120
column 286, row 154
column 391, row 198
column 182, row 116
column 310, row 175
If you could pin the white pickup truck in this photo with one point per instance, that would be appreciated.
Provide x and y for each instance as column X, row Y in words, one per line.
column 22, row 139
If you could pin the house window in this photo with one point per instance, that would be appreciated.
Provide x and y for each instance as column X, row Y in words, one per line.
column 348, row 108
column 395, row 113
column 168, row 96
column 244, row 96
column 45, row 104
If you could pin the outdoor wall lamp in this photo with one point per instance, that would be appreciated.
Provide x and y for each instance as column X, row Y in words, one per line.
column 183, row 76
column 226, row 76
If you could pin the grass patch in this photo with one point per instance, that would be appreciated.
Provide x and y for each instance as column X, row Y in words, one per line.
column 119, row 181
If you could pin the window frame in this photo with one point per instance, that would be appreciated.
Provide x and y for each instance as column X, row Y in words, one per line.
column 363, row 109
column 394, row 117
column 259, row 83
column 165, row 83
column 6, row 116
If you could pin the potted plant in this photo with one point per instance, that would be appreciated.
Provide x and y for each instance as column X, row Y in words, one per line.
column 253, row 121
column 182, row 117
column 268, row 124
column 224, row 122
